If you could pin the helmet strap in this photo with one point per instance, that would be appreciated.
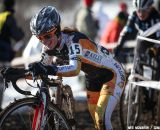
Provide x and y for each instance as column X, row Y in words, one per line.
column 58, row 31
column 58, row 42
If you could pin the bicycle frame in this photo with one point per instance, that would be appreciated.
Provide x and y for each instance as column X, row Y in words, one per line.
column 43, row 102
column 40, row 113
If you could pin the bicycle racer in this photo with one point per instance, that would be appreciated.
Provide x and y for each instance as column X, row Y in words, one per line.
column 105, row 77
column 142, row 19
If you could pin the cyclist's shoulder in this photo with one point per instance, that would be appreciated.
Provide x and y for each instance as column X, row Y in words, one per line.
column 74, row 36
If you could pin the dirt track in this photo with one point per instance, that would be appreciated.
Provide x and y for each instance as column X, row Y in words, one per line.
column 84, row 121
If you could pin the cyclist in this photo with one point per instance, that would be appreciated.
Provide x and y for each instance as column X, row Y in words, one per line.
column 105, row 76
column 142, row 21
column 144, row 17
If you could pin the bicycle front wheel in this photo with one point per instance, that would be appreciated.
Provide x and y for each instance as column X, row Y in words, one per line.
column 19, row 115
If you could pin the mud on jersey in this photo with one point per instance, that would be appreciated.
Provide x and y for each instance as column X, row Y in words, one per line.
column 94, row 60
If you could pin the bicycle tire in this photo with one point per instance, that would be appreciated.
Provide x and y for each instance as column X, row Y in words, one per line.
column 137, row 107
column 18, row 116
column 124, row 108
column 68, row 105
column 158, row 110
column 121, row 113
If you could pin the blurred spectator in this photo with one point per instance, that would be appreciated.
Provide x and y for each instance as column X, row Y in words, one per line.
column 113, row 28
column 100, row 13
column 157, row 5
column 85, row 21
column 8, row 31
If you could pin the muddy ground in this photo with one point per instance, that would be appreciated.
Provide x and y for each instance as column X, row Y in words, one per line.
column 84, row 120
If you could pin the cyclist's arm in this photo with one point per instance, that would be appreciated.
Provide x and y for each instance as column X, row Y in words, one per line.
column 74, row 67
column 129, row 32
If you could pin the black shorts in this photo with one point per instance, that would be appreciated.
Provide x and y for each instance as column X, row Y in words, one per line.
column 95, row 81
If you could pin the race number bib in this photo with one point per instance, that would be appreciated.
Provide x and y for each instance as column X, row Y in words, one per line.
column 75, row 49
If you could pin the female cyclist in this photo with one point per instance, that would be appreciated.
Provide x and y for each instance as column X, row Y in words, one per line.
column 105, row 77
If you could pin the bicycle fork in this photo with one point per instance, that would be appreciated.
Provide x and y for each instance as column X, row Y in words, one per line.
column 40, row 111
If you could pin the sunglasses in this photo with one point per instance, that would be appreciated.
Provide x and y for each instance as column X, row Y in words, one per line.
column 48, row 35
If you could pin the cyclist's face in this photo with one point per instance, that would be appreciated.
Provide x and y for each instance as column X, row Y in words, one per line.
column 49, row 39
column 143, row 13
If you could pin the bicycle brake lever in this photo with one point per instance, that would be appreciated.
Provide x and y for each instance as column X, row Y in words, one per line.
column 34, row 77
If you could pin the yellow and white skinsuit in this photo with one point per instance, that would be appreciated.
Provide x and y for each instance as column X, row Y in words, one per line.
column 105, row 77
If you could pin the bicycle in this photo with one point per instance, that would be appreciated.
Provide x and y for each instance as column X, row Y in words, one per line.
column 134, row 100
column 38, row 112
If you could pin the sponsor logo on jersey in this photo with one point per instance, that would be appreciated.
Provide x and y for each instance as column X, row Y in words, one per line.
column 119, row 68
column 93, row 56
column 64, row 68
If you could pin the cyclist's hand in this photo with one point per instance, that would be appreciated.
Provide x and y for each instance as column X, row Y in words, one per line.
column 51, row 69
column 39, row 69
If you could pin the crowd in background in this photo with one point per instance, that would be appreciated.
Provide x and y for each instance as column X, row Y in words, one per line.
column 102, row 14
column 99, row 28
column 87, row 17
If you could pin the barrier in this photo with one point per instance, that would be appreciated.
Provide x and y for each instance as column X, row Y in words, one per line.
column 144, row 83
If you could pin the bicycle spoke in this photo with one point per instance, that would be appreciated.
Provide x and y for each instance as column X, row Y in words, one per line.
column 22, row 119
column 30, row 120
column 20, row 115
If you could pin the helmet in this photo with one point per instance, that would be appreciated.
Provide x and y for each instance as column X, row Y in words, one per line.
column 88, row 3
column 8, row 3
column 44, row 21
column 142, row 4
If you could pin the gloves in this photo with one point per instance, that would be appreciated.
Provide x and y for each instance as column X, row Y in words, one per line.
column 39, row 69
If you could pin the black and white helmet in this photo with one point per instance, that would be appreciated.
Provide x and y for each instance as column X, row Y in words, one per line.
column 44, row 21
column 142, row 4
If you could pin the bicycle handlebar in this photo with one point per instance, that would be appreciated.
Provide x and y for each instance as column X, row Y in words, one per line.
column 13, row 74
